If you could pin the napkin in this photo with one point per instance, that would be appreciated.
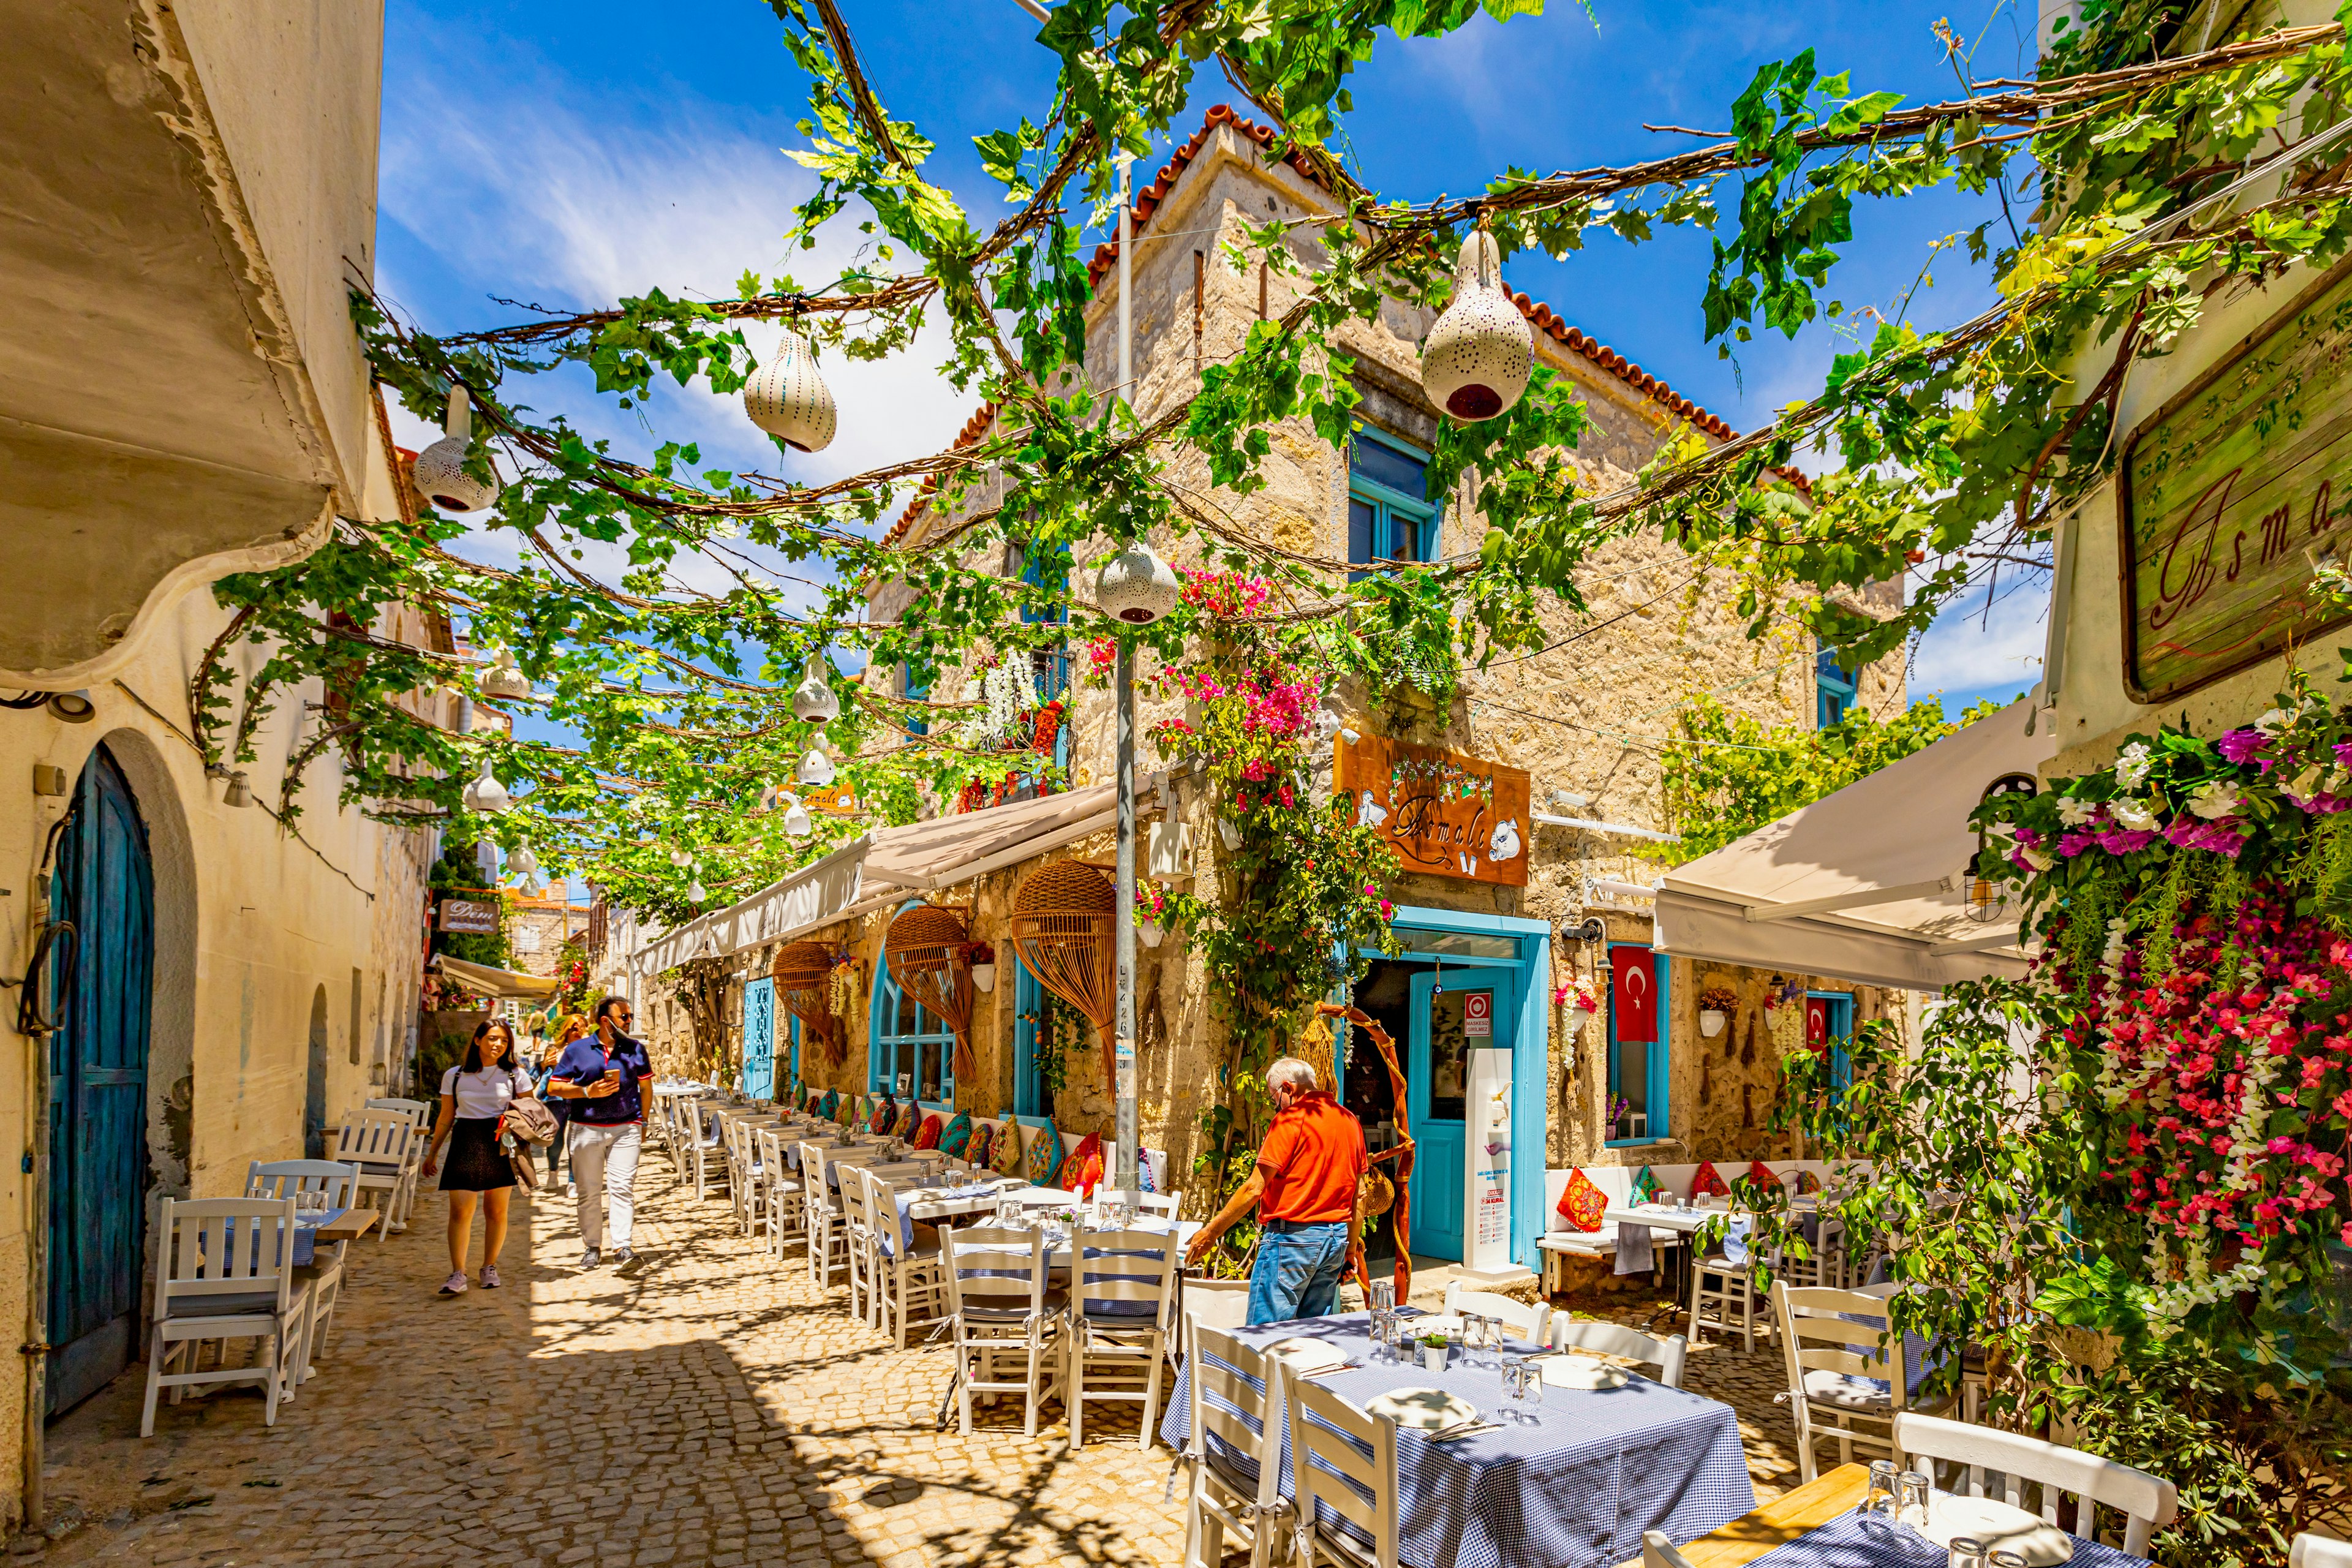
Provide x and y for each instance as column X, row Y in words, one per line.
column 1998, row 1527
column 1305, row 1356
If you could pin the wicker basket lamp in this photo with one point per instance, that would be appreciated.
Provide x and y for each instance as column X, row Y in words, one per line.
column 921, row 949
column 802, row 972
column 1062, row 927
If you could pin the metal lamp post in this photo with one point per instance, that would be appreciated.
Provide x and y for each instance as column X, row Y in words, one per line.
column 1123, row 930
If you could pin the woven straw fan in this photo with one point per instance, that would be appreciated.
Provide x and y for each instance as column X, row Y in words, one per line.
column 802, row 972
column 1062, row 927
column 921, row 948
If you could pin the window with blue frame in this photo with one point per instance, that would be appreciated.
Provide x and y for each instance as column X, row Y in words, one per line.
column 1833, row 689
column 1828, row 1018
column 1641, row 1034
column 793, row 1073
column 1390, row 515
column 1046, row 567
column 914, row 684
column 1041, row 1030
column 907, row 1039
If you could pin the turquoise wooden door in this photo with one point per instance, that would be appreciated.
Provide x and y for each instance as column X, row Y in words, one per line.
column 759, row 1038
column 1454, row 1012
column 98, row 1087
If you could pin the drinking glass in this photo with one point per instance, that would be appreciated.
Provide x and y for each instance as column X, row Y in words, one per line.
column 1913, row 1508
column 1882, row 1487
column 1380, row 1296
column 1383, row 1325
column 2004, row 1560
column 1965, row 1552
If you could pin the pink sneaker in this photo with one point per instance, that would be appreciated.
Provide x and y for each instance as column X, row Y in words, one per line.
column 491, row 1276
column 455, row 1285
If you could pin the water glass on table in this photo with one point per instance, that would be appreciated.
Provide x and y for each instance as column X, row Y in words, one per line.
column 1882, row 1487
column 1380, row 1296
column 1912, row 1510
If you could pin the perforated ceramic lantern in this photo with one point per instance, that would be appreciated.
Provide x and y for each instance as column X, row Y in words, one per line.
column 788, row 399
column 813, row 700
column 1137, row 586
column 1479, row 355
column 440, row 471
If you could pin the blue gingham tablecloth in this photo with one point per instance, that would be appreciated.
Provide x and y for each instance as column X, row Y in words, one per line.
column 1573, row 1488
column 910, row 1196
column 1870, row 1541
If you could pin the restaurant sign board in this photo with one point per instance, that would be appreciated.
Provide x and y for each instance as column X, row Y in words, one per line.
column 2229, row 495
column 470, row 917
column 1443, row 813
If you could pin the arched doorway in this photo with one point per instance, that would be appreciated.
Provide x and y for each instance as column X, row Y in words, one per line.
column 314, row 1091
column 105, row 885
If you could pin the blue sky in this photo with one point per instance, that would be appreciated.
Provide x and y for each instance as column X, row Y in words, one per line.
column 567, row 154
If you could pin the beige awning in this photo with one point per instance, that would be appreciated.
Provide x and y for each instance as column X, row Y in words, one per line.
column 881, row 868
column 500, row 983
column 1866, row 884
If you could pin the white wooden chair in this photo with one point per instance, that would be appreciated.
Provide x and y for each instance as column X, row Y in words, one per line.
column 700, row 1146
column 1164, row 1205
column 828, row 1234
column 1723, row 1291
column 742, row 1170
column 275, row 1179
column 419, row 1111
column 908, row 1284
column 2318, row 1551
column 1345, row 1498
column 224, row 1270
column 857, row 1222
column 781, row 1200
column 1236, row 1399
column 389, row 1150
column 1826, row 1266
column 1629, row 1344
column 1531, row 1322
column 1834, row 1365
column 1122, row 1303
column 2146, row 1502
column 997, row 1291
column 1658, row 1551
column 1221, row 1304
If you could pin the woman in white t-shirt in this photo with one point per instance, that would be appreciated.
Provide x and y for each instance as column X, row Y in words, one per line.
column 473, row 1098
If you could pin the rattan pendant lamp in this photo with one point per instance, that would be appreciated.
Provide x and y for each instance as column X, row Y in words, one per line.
column 1063, row 920
column 803, row 972
column 923, row 949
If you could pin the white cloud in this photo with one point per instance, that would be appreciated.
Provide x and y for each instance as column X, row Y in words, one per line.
column 1970, row 652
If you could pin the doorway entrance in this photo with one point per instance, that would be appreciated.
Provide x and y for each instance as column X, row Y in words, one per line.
column 105, row 885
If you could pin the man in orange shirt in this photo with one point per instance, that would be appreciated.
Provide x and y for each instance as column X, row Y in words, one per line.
column 1305, row 1188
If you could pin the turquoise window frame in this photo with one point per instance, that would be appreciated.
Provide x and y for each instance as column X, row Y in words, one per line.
column 1840, row 1027
column 1390, row 508
column 1834, row 691
column 1658, row 1076
column 1049, row 671
column 915, row 689
column 1028, row 1082
column 883, row 1039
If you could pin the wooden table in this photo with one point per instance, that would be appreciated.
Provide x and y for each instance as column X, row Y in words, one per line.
column 349, row 1225
column 1779, row 1522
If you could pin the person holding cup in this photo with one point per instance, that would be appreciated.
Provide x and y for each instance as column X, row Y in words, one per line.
column 605, row 1074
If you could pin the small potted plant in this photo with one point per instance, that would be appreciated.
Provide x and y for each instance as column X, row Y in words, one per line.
column 1715, row 1006
column 1432, row 1353
column 1580, row 1000
column 1151, row 903
column 979, row 957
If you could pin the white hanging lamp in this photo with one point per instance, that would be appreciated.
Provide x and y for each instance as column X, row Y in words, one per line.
column 696, row 892
column 815, row 770
column 796, row 819
column 486, row 794
column 440, row 472
column 503, row 680
column 1136, row 587
column 814, row 701
column 680, row 858
column 788, row 399
column 522, row 862
column 1479, row 353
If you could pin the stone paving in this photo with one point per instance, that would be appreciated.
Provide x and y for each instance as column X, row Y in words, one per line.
column 715, row 1410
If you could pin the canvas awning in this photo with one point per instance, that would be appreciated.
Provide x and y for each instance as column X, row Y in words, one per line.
column 503, row 983
column 884, row 867
column 1866, row 884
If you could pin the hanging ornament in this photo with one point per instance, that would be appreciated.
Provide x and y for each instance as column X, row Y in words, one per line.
column 1137, row 586
column 522, row 862
column 695, row 892
column 503, row 680
column 788, row 399
column 440, row 470
column 814, row 701
column 1477, row 358
column 815, row 770
column 796, row 819
column 486, row 794
column 680, row 858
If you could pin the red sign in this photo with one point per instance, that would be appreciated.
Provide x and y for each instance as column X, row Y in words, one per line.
column 1633, row 993
column 1478, row 1015
column 1817, row 1022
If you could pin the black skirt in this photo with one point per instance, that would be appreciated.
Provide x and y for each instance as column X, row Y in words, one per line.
column 475, row 1164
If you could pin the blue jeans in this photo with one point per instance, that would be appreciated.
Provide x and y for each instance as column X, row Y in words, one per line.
column 1298, row 1272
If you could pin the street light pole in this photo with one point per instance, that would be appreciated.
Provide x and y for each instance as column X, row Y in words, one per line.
column 1123, row 1014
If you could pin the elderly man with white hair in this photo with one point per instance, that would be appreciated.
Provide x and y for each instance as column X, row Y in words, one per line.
column 1304, row 1187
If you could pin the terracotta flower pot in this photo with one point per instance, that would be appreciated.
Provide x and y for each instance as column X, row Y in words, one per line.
column 1479, row 356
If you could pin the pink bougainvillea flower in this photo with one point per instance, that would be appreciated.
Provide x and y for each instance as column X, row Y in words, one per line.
column 2242, row 745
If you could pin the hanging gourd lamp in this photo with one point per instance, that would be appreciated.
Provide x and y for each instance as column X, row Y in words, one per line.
column 695, row 892
column 1136, row 587
column 814, row 701
column 815, row 770
column 440, row 472
column 796, row 817
column 788, row 399
column 1479, row 356
column 680, row 858
column 503, row 680
column 486, row 794
column 522, row 862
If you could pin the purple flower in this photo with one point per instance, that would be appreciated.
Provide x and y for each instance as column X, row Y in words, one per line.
column 2322, row 802
column 2124, row 840
column 2240, row 745
column 2226, row 836
column 2074, row 843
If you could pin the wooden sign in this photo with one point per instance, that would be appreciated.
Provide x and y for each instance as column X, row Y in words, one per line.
column 2231, row 492
column 467, row 916
column 1443, row 813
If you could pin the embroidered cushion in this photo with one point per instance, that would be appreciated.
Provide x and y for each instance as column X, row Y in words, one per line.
column 1808, row 1183
column 984, row 1144
column 1005, row 1159
column 904, row 1125
column 1761, row 1175
column 1646, row 1188
column 1082, row 1172
column 884, row 1115
column 927, row 1136
column 1583, row 1203
column 1707, row 1182
column 958, row 1136
column 1044, row 1161
column 830, row 1106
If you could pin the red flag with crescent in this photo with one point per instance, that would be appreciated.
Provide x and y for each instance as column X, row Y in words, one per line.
column 1633, row 993
column 1817, row 1023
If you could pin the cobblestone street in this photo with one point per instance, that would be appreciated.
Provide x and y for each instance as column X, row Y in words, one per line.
column 713, row 1411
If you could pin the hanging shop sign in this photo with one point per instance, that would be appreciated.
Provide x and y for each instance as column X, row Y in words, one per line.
column 470, row 916
column 2230, row 493
column 1443, row 813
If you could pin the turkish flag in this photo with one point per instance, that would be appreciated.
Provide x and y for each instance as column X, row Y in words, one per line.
column 1817, row 1023
column 1633, row 993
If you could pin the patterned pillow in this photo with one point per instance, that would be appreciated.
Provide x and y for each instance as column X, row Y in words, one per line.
column 1083, row 1170
column 1006, row 1157
column 1646, row 1188
column 884, row 1115
column 927, row 1136
column 984, row 1144
column 1582, row 1204
column 830, row 1106
column 958, row 1136
column 1143, row 1176
column 1808, row 1183
column 904, row 1123
column 1707, row 1182
column 1761, row 1175
column 1044, row 1161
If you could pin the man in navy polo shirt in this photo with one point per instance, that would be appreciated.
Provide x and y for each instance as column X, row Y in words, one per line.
column 605, row 1074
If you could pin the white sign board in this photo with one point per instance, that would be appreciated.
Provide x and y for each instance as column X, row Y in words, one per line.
column 1487, row 1117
